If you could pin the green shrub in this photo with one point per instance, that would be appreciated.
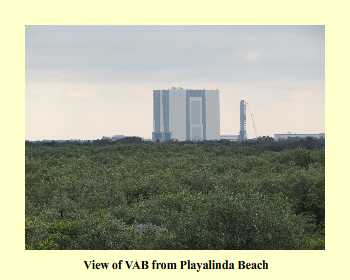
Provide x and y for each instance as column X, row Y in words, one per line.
column 213, row 195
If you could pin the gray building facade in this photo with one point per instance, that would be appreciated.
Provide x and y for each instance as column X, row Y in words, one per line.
column 186, row 115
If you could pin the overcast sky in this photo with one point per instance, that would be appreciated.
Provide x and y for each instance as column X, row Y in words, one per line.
column 91, row 81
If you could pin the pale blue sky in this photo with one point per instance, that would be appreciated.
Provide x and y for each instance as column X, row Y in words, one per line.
column 89, row 81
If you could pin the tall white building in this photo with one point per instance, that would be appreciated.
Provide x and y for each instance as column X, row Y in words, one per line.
column 186, row 115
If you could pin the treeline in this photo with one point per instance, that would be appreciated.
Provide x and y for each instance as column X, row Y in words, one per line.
column 260, row 194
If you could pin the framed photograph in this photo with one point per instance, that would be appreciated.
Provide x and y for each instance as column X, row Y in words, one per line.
column 152, row 139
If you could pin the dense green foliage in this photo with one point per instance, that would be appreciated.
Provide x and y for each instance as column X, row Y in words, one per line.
column 214, row 195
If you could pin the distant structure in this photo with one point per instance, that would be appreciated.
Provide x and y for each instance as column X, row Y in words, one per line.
column 186, row 115
column 243, row 121
column 114, row 137
column 230, row 137
column 117, row 137
column 281, row 136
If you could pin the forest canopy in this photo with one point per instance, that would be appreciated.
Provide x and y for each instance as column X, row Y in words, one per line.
column 260, row 194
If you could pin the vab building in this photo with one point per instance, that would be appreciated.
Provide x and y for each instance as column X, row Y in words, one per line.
column 186, row 115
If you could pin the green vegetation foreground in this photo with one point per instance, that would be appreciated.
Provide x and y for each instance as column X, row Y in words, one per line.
column 213, row 195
